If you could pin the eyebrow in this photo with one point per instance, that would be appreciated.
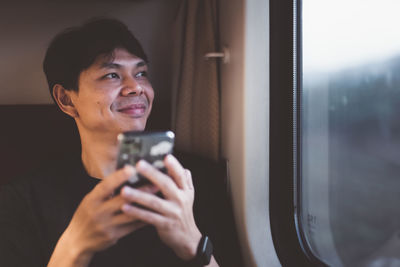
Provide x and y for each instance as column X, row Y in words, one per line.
column 112, row 65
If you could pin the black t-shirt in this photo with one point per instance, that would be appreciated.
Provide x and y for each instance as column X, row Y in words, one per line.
column 36, row 210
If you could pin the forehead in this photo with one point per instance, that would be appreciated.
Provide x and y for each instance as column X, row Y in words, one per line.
column 118, row 58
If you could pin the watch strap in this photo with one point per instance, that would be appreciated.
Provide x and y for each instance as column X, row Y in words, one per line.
column 203, row 254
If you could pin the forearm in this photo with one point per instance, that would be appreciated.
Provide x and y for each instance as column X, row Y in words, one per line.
column 213, row 263
column 68, row 254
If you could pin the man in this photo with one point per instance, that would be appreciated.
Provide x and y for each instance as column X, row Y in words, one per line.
column 67, row 214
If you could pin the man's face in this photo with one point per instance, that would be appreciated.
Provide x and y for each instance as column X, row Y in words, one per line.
column 114, row 94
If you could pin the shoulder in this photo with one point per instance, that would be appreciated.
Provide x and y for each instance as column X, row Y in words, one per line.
column 40, row 204
column 51, row 176
column 42, row 174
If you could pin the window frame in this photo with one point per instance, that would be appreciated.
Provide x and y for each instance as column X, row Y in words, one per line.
column 285, row 138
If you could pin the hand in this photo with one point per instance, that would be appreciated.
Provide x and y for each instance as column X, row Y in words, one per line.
column 98, row 222
column 173, row 216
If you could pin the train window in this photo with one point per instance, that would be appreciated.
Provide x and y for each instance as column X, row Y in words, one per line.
column 348, row 131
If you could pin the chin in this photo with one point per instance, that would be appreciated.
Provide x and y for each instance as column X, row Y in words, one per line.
column 136, row 126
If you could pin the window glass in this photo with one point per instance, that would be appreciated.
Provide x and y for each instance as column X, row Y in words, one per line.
column 349, row 180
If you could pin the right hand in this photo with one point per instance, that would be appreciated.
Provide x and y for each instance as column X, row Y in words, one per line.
column 98, row 222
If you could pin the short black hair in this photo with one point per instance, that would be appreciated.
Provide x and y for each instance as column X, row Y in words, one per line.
column 75, row 49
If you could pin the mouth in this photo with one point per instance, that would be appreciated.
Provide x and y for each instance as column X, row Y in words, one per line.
column 134, row 110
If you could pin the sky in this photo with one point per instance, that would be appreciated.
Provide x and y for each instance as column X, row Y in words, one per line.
column 339, row 34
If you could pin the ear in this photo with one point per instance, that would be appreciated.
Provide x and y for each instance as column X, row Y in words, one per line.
column 64, row 100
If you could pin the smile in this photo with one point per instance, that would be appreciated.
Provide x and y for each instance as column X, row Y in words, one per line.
column 135, row 110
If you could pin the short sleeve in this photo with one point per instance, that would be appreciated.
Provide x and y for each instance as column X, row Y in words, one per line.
column 19, row 242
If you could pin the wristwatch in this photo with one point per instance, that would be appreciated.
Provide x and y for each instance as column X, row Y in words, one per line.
column 204, row 253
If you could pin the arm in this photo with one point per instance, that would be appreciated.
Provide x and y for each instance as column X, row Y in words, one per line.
column 172, row 216
column 96, row 225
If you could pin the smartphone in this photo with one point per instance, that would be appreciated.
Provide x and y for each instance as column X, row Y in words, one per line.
column 149, row 146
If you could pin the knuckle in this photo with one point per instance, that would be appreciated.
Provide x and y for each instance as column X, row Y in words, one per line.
column 174, row 224
column 130, row 211
column 101, row 229
column 188, row 173
column 177, row 213
column 105, row 187
column 181, row 199
column 110, row 235
column 155, row 204
column 183, row 171
column 164, row 184
column 170, row 225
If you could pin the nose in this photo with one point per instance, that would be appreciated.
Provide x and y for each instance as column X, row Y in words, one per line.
column 131, row 87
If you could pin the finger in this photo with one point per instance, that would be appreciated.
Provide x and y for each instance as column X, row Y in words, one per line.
column 189, row 179
column 166, row 185
column 123, row 218
column 112, row 205
column 109, row 184
column 146, row 216
column 149, row 201
column 128, row 228
column 149, row 188
column 176, row 171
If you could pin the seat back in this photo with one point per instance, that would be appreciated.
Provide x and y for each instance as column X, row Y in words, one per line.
column 31, row 135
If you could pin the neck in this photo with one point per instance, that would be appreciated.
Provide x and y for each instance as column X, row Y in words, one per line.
column 99, row 154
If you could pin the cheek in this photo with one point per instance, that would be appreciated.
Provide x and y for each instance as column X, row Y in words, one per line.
column 97, row 107
column 105, row 107
column 150, row 95
column 100, row 107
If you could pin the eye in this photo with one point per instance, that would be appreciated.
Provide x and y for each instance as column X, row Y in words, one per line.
column 112, row 75
column 141, row 74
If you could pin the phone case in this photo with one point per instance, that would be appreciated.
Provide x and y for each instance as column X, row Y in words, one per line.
column 150, row 146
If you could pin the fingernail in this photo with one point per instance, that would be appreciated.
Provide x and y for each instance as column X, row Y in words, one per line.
column 168, row 158
column 142, row 164
column 127, row 191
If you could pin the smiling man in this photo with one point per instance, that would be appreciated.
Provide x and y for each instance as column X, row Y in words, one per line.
column 67, row 214
column 114, row 96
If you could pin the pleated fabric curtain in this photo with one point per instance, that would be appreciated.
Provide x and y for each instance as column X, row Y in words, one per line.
column 195, row 93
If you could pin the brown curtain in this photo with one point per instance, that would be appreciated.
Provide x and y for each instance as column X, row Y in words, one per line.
column 196, row 98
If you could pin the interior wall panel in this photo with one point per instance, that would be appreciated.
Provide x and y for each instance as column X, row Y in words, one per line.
column 26, row 28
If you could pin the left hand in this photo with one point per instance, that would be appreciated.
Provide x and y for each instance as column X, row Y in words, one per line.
column 172, row 216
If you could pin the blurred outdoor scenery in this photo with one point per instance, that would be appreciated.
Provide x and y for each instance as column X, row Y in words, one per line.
column 350, row 131
column 363, row 154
